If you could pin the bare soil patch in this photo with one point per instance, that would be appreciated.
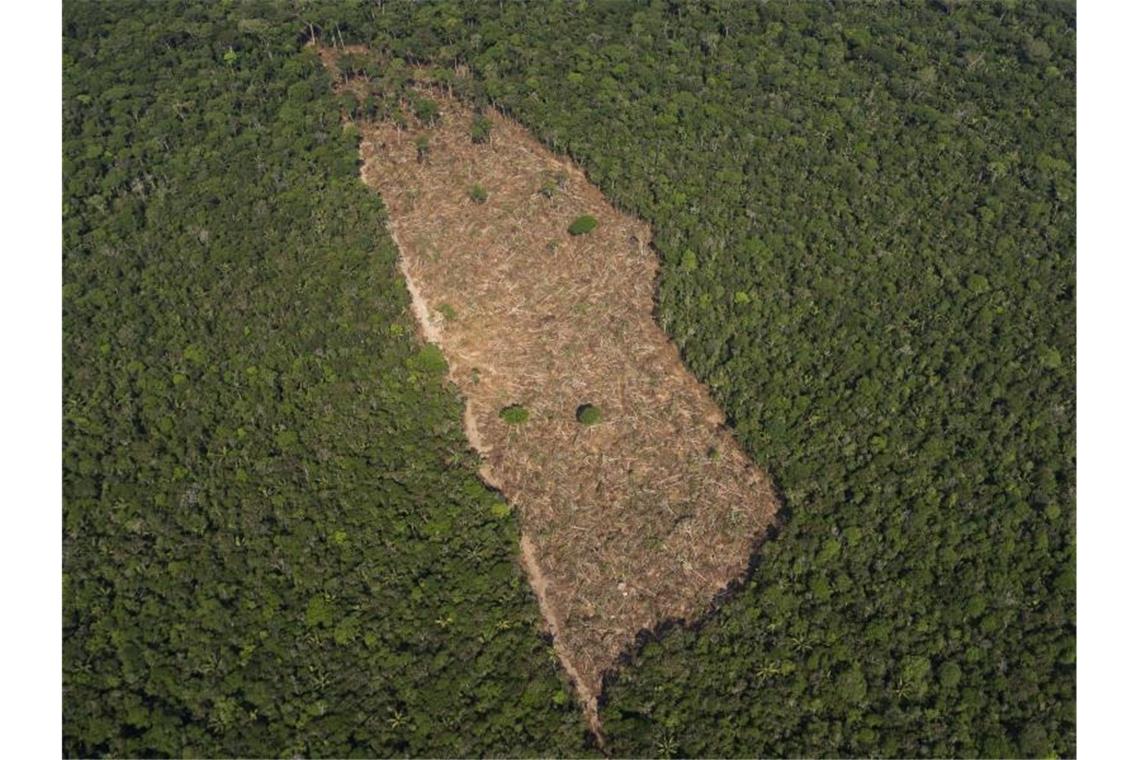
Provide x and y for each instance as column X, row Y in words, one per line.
column 645, row 515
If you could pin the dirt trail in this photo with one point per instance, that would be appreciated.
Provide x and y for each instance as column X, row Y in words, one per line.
column 420, row 309
column 641, row 518
column 539, row 582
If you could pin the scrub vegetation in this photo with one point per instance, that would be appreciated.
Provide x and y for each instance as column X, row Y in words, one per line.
column 514, row 414
column 588, row 414
column 582, row 225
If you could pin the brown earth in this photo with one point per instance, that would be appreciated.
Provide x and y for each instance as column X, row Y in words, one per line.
column 644, row 517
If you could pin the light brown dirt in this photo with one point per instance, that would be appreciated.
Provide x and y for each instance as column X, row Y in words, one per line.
column 642, row 518
column 539, row 582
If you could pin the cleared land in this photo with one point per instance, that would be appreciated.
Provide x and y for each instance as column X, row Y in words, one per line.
column 628, row 521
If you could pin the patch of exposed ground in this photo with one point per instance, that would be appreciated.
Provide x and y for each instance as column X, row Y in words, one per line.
column 640, row 518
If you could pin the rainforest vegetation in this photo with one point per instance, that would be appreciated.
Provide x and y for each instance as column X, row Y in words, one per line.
column 275, row 541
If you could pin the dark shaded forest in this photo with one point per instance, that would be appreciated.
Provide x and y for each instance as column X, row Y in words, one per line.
column 275, row 541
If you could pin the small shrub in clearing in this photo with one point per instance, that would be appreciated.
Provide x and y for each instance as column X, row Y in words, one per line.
column 477, row 193
column 480, row 129
column 429, row 360
column 588, row 414
column 552, row 183
column 426, row 110
column 582, row 225
column 515, row 414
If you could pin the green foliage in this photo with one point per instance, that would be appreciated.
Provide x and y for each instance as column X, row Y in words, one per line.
column 851, row 686
column 319, row 613
column 689, row 261
column 588, row 414
column 448, row 312
column 268, row 501
column 429, row 359
column 582, row 225
column 480, row 129
column 554, row 182
column 423, row 147
column 477, row 193
column 515, row 414
column 426, row 111
column 949, row 675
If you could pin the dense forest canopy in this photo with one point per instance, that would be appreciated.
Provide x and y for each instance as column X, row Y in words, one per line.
column 275, row 541
column 274, row 537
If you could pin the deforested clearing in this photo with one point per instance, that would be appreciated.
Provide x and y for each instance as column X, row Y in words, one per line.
column 645, row 508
